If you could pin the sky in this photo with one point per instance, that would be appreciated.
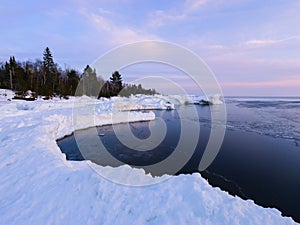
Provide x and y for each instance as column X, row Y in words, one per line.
column 251, row 46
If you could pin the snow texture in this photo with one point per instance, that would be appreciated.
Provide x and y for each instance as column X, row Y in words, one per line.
column 39, row 186
column 213, row 100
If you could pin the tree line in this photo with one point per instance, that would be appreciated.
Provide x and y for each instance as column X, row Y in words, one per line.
column 45, row 78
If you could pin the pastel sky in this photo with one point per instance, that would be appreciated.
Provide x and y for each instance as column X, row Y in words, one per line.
column 252, row 46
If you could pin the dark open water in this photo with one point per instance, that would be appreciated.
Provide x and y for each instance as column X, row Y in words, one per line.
column 259, row 158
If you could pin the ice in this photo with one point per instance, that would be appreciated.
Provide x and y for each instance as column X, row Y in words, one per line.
column 265, row 99
column 141, row 102
column 39, row 186
column 211, row 100
column 216, row 100
column 276, row 117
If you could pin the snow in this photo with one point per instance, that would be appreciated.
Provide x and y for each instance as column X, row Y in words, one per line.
column 39, row 186
column 213, row 100
column 141, row 102
column 6, row 94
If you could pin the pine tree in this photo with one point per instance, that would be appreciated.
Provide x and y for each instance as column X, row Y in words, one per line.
column 72, row 82
column 50, row 73
column 12, row 67
column 90, row 82
column 4, row 76
column 116, row 81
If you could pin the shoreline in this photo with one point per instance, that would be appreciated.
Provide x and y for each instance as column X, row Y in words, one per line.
column 40, row 185
column 248, row 145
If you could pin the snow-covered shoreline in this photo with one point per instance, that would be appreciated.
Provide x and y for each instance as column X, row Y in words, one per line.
column 39, row 186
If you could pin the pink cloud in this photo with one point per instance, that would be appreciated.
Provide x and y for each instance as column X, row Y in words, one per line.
column 276, row 83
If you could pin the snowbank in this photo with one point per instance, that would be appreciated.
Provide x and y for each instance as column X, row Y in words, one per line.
column 39, row 186
column 141, row 102
column 6, row 94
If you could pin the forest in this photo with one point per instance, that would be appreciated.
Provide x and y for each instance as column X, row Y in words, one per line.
column 46, row 78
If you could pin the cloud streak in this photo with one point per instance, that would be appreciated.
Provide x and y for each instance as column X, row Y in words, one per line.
column 262, row 84
column 115, row 34
column 263, row 42
column 160, row 18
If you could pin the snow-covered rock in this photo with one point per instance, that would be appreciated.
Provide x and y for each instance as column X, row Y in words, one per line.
column 6, row 94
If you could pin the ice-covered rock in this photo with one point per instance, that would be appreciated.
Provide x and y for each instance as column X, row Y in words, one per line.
column 215, row 100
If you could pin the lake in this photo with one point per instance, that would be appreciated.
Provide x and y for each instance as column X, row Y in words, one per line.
column 259, row 158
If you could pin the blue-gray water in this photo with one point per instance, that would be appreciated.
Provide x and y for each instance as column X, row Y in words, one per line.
column 259, row 158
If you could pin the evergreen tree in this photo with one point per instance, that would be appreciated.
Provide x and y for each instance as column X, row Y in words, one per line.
column 4, row 76
column 28, row 69
column 50, row 73
column 116, row 81
column 133, row 89
column 38, row 70
column 90, row 82
column 12, row 67
column 72, row 82
column 106, row 90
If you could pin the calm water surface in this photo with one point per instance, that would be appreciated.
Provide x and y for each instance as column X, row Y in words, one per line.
column 259, row 158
